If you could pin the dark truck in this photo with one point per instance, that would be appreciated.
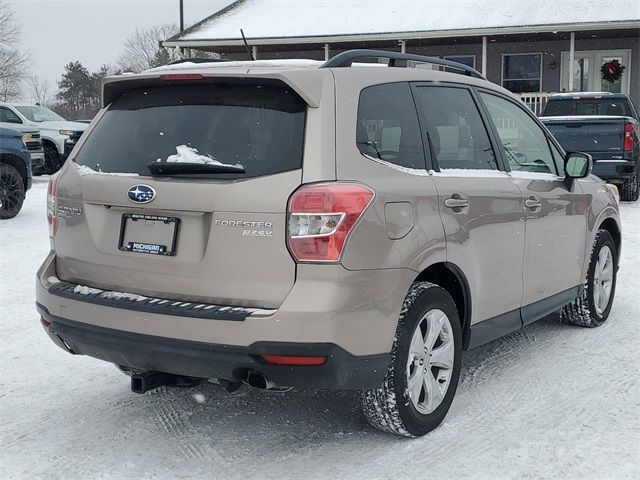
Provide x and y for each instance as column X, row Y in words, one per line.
column 605, row 125
column 15, row 171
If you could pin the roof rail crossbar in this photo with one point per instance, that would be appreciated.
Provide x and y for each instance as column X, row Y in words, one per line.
column 396, row 59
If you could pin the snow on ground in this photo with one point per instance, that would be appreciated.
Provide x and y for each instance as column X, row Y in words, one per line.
column 552, row 401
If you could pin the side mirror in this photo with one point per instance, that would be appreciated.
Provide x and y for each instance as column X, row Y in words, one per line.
column 576, row 165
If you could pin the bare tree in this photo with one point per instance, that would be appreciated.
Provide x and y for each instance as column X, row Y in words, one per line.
column 42, row 91
column 14, row 63
column 142, row 50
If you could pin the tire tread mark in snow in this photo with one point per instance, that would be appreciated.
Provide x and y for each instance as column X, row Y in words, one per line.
column 172, row 423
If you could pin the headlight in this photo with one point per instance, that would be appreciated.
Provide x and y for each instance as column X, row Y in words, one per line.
column 25, row 138
column 65, row 132
column 614, row 191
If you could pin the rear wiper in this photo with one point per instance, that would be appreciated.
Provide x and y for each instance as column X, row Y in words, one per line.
column 162, row 168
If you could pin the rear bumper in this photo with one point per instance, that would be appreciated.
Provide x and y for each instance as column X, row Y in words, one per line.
column 348, row 316
column 614, row 169
column 180, row 357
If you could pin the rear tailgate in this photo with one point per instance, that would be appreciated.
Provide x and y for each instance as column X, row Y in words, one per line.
column 213, row 238
column 601, row 136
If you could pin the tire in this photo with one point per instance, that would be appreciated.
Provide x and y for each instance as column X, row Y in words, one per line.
column 12, row 192
column 51, row 159
column 392, row 407
column 590, row 309
column 630, row 189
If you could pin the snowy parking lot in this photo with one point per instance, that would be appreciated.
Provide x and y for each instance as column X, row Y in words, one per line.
column 550, row 401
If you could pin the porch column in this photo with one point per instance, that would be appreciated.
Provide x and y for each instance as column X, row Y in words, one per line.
column 484, row 56
column 403, row 46
column 254, row 52
column 327, row 53
column 572, row 56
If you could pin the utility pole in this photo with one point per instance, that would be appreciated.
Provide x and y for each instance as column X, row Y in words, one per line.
column 181, row 15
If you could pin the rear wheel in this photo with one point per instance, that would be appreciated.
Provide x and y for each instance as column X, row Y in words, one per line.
column 630, row 189
column 12, row 192
column 592, row 307
column 422, row 378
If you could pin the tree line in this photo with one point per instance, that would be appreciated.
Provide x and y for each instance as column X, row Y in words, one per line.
column 77, row 94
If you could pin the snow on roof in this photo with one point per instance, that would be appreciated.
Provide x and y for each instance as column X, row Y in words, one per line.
column 278, row 19
column 279, row 64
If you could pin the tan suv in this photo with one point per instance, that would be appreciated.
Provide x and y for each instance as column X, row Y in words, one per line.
column 299, row 224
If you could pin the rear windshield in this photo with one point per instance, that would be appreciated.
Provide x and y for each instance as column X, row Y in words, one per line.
column 260, row 127
column 591, row 106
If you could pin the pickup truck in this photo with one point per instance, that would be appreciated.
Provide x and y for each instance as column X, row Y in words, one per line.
column 59, row 136
column 604, row 125
column 15, row 171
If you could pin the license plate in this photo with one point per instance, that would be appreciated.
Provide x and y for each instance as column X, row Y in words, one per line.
column 149, row 234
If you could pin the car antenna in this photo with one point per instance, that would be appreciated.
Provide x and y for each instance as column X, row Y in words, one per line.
column 244, row 39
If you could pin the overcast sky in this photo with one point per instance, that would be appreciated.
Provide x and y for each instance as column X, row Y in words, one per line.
column 93, row 31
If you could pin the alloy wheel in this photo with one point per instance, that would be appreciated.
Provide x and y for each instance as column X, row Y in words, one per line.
column 603, row 280
column 430, row 362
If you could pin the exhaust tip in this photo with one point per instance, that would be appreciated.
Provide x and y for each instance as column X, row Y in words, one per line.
column 258, row 380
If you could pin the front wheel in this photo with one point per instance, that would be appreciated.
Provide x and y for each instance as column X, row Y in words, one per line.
column 12, row 192
column 592, row 307
column 424, row 369
column 51, row 159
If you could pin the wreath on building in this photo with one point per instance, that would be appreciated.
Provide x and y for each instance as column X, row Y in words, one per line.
column 612, row 71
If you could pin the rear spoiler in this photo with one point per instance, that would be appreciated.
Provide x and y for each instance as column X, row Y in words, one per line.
column 307, row 84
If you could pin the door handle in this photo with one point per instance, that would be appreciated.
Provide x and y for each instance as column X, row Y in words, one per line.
column 456, row 202
column 532, row 203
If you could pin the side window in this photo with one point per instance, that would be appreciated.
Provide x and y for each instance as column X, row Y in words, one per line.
column 454, row 128
column 8, row 116
column 388, row 126
column 524, row 141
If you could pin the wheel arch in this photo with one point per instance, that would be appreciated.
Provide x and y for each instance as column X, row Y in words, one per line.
column 17, row 163
column 52, row 143
column 611, row 225
column 450, row 277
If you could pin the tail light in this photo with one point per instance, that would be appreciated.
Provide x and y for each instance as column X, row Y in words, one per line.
column 182, row 77
column 628, row 137
column 321, row 216
column 52, row 205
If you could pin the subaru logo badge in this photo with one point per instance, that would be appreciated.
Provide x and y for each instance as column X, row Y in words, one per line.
column 141, row 193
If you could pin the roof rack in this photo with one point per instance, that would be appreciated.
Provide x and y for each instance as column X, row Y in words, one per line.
column 345, row 59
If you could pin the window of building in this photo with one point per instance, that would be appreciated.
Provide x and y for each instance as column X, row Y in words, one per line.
column 522, row 73
column 388, row 128
column 468, row 60
column 454, row 128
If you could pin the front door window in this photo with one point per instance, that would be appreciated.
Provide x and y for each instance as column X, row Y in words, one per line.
column 581, row 74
